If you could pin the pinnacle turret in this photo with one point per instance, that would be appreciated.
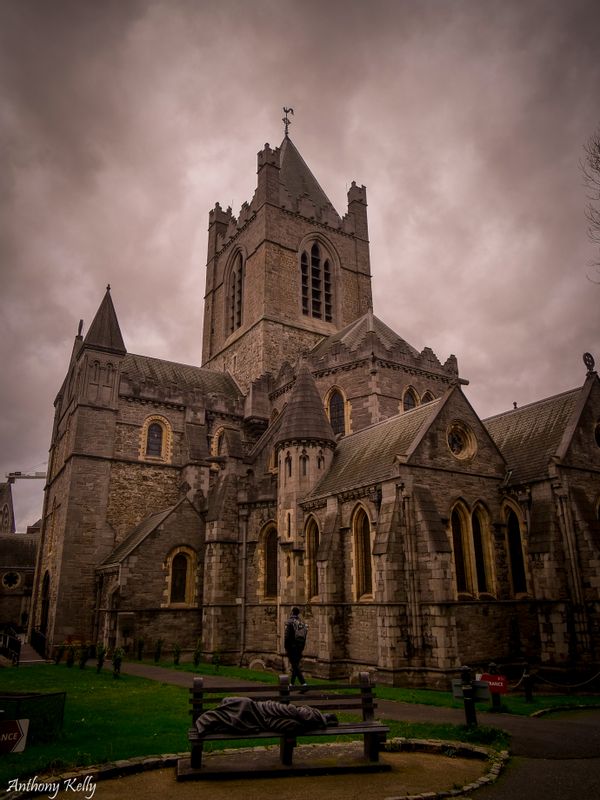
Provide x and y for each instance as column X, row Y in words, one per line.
column 304, row 417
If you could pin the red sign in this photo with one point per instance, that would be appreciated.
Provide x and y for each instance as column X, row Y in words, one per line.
column 498, row 683
column 13, row 733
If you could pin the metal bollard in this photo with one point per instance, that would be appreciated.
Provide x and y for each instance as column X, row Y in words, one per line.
column 528, row 680
column 468, row 700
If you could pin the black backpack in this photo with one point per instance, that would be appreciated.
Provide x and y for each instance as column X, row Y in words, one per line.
column 300, row 632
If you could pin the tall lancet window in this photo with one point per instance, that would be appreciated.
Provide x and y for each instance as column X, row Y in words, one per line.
column 235, row 294
column 362, row 554
column 312, row 548
column 336, row 412
column 317, row 297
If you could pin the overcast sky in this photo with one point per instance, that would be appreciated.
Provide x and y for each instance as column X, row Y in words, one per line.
column 122, row 123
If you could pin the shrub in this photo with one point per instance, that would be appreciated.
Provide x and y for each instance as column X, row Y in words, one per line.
column 117, row 661
column 59, row 652
column 83, row 655
column 176, row 653
column 100, row 656
column 158, row 650
column 198, row 653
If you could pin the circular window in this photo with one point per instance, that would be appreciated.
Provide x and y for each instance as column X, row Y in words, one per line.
column 10, row 580
column 461, row 441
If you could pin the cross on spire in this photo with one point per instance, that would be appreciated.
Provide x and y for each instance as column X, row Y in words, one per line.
column 286, row 121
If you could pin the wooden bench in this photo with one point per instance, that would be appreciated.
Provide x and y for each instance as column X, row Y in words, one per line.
column 326, row 698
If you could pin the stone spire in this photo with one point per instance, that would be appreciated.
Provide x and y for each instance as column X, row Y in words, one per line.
column 304, row 417
column 104, row 332
column 297, row 178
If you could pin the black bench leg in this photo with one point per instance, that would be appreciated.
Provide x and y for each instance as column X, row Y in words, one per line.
column 286, row 749
column 371, row 746
column 196, row 757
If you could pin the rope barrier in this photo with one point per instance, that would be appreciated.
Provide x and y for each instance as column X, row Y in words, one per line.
column 567, row 685
column 538, row 677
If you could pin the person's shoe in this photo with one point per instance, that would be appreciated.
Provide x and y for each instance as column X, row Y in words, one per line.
column 304, row 688
column 331, row 720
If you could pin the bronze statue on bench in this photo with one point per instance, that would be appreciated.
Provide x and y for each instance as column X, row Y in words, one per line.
column 241, row 715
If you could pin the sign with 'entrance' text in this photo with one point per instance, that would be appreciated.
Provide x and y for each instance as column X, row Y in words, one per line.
column 13, row 735
column 498, row 683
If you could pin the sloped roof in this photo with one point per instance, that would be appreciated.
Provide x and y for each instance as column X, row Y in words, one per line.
column 18, row 550
column 154, row 370
column 529, row 436
column 368, row 456
column 104, row 332
column 355, row 333
column 297, row 178
column 304, row 416
column 137, row 535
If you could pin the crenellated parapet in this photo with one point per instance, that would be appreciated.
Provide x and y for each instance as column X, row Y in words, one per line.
column 357, row 194
column 268, row 155
column 285, row 181
column 217, row 216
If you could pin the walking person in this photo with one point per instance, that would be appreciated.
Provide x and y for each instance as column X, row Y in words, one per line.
column 294, row 640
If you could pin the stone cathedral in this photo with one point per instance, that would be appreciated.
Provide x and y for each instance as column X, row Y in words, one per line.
column 314, row 459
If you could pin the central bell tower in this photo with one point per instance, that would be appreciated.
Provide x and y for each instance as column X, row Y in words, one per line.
column 285, row 273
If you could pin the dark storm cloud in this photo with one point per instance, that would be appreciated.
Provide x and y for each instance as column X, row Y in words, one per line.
column 123, row 122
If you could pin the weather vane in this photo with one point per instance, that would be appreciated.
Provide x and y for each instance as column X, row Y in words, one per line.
column 287, row 122
column 588, row 360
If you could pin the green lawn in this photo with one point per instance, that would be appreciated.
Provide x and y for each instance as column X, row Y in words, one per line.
column 108, row 719
column 512, row 703
column 105, row 719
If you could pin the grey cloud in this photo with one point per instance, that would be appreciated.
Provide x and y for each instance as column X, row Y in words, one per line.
column 124, row 122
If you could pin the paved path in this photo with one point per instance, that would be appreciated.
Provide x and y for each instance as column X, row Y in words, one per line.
column 554, row 757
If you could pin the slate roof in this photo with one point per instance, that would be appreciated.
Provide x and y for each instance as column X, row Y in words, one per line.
column 529, row 436
column 297, row 178
column 304, row 416
column 18, row 550
column 137, row 536
column 355, row 333
column 154, row 370
column 104, row 332
column 367, row 456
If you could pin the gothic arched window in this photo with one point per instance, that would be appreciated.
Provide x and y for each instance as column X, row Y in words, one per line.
column 304, row 464
column 336, row 412
column 362, row 554
column 154, row 440
column 270, row 563
column 471, row 546
column 181, row 571
column 480, row 552
column 235, row 294
column 5, row 524
column 463, row 584
column 312, row 548
column 409, row 399
column 179, row 578
column 317, row 294
column 515, row 554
